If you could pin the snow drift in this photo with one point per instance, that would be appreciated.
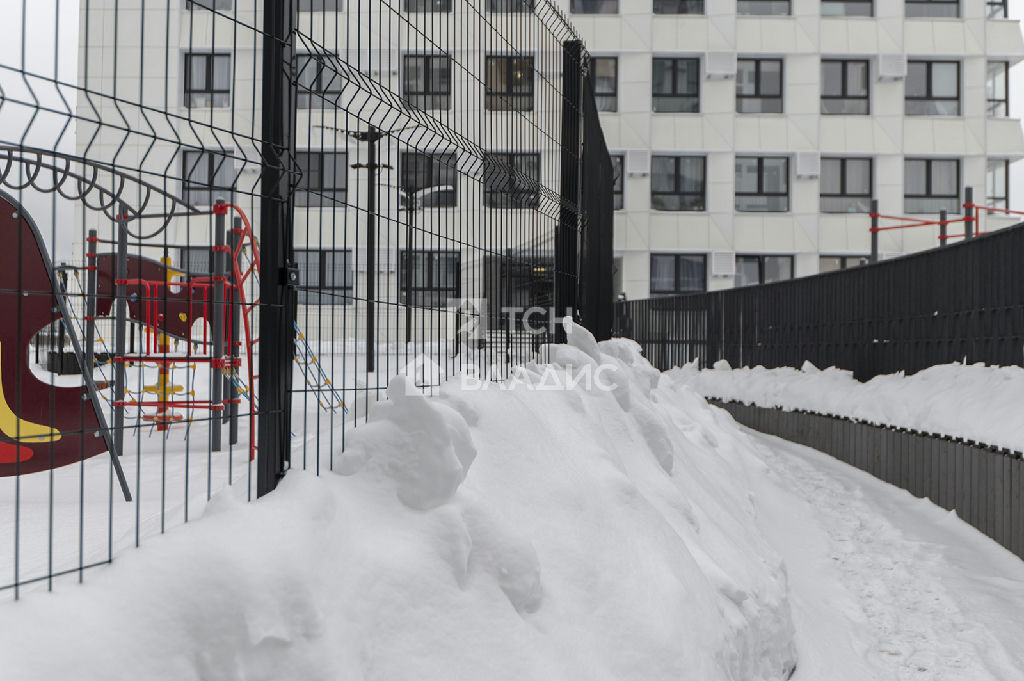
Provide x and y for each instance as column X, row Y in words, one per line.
column 513, row 532
column 972, row 401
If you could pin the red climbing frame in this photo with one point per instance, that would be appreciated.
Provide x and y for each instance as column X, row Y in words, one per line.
column 199, row 306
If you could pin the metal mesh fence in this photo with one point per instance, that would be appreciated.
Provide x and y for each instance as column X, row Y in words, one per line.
column 229, row 223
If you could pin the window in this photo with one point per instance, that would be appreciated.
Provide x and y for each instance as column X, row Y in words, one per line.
column 207, row 176
column 846, row 185
column 676, row 85
column 933, row 88
column 595, row 6
column 763, row 269
column 436, row 277
column 759, row 86
column 432, row 175
column 762, row 7
column 679, row 6
column 677, row 273
column 317, row 81
column 996, row 87
column 511, row 180
column 834, row 263
column 932, row 8
column 427, row 80
column 930, row 185
column 207, row 79
column 321, row 5
column 506, row 6
column 606, row 82
column 677, row 182
column 509, row 84
column 762, row 184
column 219, row 5
column 427, row 5
column 325, row 277
column 844, row 86
column 324, row 178
column 617, row 187
column 996, row 9
column 997, row 179
column 847, row 8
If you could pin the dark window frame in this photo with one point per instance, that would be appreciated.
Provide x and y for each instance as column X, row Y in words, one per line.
column 216, row 160
column 319, row 93
column 760, row 184
column 319, row 293
column 843, row 3
column 677, row 176
column 1005, row 101
column 432, row 163
column 420, row 6
column 211, row 58
column 928, row 185
column 676, row 93
column 209, row 5
column 844, row 193
column 758, row 95
column 756, row 3
column 581, row 6
column 676, row 271
column 600, row 96
column 308, row 196
column 994, row 200
column 761, row 259
column 430, row 289
column 618, row 182
column 1002, row 7
column 511, row 6
column 509, row 99
column 846, row 96
column 929, row 97
column 664, row 7
column 429, row 94
column 933, row 3
column 321, row 6
column 499, row 162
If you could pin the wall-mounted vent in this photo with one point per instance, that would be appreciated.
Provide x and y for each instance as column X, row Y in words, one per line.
column 638, row 162
column 808, row 164
column 723, row 264
column 719, row 65
column 892, row 67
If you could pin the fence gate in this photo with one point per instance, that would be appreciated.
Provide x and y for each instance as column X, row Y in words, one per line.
column 230, row 223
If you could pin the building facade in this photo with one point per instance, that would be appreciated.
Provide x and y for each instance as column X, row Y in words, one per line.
column 752, row 135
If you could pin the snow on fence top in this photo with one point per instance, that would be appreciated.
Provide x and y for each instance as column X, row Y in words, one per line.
column 973, row 402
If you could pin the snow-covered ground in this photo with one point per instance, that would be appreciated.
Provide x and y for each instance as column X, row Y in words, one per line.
column 973, row 401
column 522, row 533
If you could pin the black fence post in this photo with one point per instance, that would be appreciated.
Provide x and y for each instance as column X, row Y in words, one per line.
column 217, row 326
column 567, row 237
column 277, row 297
column 874, row 230
column 943, row 227
column 120, row 321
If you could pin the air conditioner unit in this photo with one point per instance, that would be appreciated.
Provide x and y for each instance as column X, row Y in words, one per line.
column 892, row 67
column 719, row 65
column 723, row 264
column 638, row 163
column 808, row 164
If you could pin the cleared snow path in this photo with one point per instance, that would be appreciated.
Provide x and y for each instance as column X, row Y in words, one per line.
column 884, row 585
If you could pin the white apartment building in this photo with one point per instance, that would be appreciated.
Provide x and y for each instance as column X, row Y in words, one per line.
column 753, row 134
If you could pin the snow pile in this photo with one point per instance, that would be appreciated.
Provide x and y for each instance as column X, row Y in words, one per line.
column 974, row 401
column 601, row 532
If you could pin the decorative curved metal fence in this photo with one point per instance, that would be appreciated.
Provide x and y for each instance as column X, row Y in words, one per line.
column 229, row 223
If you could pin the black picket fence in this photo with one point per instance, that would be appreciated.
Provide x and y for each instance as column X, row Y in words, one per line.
column 964, row 302
column 233, row 223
